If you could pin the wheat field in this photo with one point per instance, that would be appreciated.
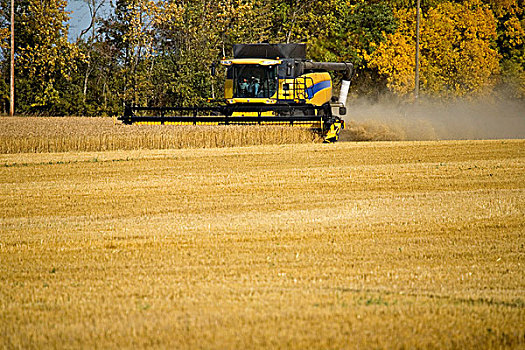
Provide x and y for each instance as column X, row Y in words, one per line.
column 353, row 245
column 64, row 134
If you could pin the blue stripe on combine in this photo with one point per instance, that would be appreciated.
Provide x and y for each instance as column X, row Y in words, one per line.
column 311, row 91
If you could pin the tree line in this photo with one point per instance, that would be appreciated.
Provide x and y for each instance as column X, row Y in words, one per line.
column 158, row 52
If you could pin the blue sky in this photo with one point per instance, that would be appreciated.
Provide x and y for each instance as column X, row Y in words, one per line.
column 80, row 16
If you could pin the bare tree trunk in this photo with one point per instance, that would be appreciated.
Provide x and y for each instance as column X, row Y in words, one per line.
column 93, row 10
column 105, row 95
column 86, row 79
column 294, row 17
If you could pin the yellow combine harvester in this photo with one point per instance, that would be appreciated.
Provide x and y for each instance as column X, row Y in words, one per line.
column 266, row 84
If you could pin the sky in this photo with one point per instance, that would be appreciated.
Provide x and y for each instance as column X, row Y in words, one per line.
column 80, row 16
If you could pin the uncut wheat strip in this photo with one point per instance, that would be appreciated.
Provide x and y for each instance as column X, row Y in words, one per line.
column 154, row 140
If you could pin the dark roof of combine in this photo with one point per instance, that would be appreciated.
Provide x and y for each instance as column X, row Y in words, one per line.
column 272, row 51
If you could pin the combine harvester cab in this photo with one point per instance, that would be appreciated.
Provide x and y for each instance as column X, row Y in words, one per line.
column 266, row 84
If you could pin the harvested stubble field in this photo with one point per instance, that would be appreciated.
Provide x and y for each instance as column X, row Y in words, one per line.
column 37, row 134
column 352, row 245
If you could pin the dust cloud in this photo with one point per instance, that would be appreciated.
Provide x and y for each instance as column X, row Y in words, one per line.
column 428, row 120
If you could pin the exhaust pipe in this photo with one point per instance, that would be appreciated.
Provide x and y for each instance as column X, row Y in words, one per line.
column 345, row 87
column 343, row 94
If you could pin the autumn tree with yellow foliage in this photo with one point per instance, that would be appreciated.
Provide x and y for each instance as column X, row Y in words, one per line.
column 510, row 15
column 45, row 60
column 458, row 51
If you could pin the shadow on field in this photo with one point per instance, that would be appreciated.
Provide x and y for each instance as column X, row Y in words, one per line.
column 427, row 120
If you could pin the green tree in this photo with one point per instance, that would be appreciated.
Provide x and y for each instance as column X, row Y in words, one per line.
column 510, row 15
column 190, row 37
column 356, row 28
column 186, row 44
column 129, row 33
column 394, row 57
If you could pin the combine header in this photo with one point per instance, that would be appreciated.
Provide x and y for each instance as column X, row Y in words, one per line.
column 266, row 84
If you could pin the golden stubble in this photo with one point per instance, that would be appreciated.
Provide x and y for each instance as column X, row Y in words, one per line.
column 375, row 245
